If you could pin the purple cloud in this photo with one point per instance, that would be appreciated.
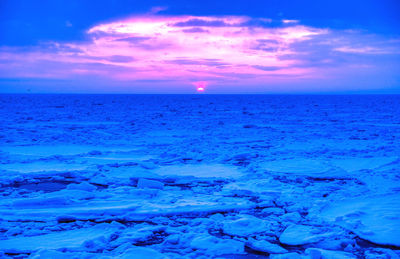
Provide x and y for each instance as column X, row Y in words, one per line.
column 195, row 30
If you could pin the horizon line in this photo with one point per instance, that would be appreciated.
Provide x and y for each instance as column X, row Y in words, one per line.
column 200, row 94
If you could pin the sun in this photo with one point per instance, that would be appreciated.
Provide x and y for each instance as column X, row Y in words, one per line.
column 200, row 86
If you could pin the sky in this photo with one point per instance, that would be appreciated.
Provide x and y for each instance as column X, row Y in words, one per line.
column 252, row 46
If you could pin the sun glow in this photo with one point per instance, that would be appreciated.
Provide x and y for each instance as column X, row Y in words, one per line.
column 200, row 86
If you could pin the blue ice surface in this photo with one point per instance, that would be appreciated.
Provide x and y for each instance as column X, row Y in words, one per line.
column 173, row 176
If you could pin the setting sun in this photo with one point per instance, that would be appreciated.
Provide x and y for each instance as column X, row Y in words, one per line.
column 200, row 86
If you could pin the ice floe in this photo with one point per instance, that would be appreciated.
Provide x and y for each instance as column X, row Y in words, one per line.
column 376, row 218
column 199, row 177
column 201, row 171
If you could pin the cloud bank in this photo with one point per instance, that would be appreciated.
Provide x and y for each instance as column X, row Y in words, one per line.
column 241, row 52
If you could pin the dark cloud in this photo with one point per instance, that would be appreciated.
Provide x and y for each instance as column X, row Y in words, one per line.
column 194, row 30
column 133, row 40
column 233, row 75
column 100, row 66
column 113, row 58
column 206, row 62
column 317, row 52
column 253, row 22
column 62, row 69
column 147, row 43
column 264, row 23
column 268, row 45
column 48, row 47
column 267, row 68
column 201, row 22
column 119, row 59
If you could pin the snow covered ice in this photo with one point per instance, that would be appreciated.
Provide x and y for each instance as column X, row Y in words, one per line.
column 199, row 176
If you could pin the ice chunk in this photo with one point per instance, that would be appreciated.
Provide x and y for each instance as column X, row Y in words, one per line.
column 202, row 170
column 262, row 186
column 84, row 186
column 381, row 253
column 265, row 246
column 327, row 254
column 40, row 202
column 42, row 166
column 274, row 211
column 38, row 209
column 217, row 246
column 246, row 225
column 139, row 234
column 152, row 184
column 142, row 253
column 51, row 150
column 71, row 239
column 300, row 166
column 376, row 218
column 356, row 164
column 45, row 253
column 72, row 194
column 119, row 157
column 294, row 217
column 193, row 206
column 302, row 234
column 285, row 256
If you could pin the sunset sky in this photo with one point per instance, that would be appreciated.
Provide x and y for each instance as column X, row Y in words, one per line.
column 180, row 46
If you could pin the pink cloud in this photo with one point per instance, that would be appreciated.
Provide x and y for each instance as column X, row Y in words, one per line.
column 222, row 39
column 362, row 50
column 190, row 50
column 289, row 21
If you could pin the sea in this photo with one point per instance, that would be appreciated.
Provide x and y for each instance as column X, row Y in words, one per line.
column 173, row 176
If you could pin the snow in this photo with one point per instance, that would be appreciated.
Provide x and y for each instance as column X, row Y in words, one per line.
column 286, row 256
column 142, row 252
column 245, row 225
column 201, row 171
column 70, row 239
column 265, row 247
column 146, row 183
column 299, row 166
column 199, row 176
column 376, row 219
column 82, row 186
column 326, row 254
column 41, row 167
column 357, row 164
column 47, row 150
column 301, row 234
column 217, row 246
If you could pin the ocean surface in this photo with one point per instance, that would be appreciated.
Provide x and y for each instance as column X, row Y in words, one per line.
column 172, row 176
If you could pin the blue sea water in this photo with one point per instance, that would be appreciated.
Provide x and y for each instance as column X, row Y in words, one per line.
column 169, row 176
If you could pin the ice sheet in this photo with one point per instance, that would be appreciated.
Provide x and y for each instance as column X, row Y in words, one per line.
column 199, row 176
